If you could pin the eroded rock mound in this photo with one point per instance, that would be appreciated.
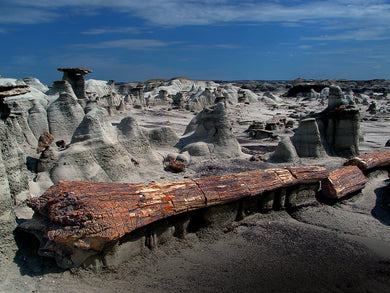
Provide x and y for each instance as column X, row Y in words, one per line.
column 64, row 115
column 210, row 135
column 285, row 152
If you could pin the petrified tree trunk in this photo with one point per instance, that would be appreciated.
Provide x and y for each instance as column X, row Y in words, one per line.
column 85, row 216
column 342, row 182
column 370, row 160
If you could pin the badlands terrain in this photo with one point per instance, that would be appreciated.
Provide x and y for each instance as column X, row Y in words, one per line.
column 140, row 132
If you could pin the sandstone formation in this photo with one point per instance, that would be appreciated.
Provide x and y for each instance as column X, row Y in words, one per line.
column 307, row 139
column 101, row 152
column 76, row 78
column 210, row 135
column 37, row 119
column 336, row 98
column 339, row 124
column 162, row 137
column 64, row 115
column 334, row 131
column 285, row 152
column 95, row 125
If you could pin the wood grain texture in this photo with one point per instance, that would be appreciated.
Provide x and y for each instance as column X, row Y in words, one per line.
column 370, row 160
column 344, row 181
column 88, row 215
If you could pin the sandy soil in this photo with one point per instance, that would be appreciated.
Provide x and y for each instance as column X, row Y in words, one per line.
column 320, row 248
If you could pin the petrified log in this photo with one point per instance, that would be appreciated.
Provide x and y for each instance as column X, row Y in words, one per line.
column 342, row 182
column 74, row 216
column 370, row 160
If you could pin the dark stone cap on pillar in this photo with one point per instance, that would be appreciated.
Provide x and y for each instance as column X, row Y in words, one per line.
column 78, row 70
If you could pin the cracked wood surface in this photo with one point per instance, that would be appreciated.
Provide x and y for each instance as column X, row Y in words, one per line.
column 370, row 160
column 87, row 215
column 344, row 181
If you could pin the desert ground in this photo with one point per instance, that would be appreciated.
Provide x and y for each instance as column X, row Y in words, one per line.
column 339, row 247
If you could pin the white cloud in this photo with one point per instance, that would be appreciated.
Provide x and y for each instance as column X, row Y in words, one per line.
column 112, row 30
column 23, row 15
column 190, row 12
column 151, row 44
column 213, row 46
column 358, row 35
column 130, row 44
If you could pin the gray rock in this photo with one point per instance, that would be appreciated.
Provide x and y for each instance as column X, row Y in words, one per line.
column 197, row 149
column 307, row 139
column 95, row 125
column 336, row 98
column 342, row 132
column 285, row 152
column 64, row 115
column 37, row 119
column 134, row 141
column 211, row 130
column 35, row 83
column 162, row 136
column 47, row 160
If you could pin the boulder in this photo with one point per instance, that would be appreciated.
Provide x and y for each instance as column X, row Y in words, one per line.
column 44, row 142
column 162, row 137
column 285, row 152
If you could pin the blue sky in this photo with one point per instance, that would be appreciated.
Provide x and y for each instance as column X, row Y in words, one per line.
column 216, row 39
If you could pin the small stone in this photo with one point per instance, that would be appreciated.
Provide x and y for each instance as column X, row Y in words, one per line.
column 45, row 140
column 176, row 165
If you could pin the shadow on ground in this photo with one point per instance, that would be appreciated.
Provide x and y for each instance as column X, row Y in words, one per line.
column 27, row 258
column 381, row 211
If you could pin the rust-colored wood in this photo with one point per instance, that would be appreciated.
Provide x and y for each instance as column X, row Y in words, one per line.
column 222, row 189
column 344, row 181
column 309, row 174
column 185, row 195
column 87, row 215
column 370, row 160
